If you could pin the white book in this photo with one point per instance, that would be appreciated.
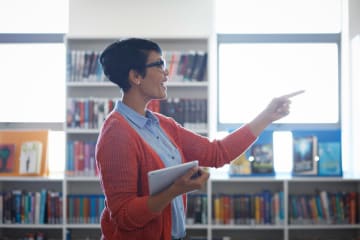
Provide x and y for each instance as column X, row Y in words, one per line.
column 30, row 157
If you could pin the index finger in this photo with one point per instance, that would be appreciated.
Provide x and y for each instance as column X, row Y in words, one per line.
column 293, row 94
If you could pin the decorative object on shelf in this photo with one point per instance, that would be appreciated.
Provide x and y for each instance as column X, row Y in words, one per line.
column 262, row 159
column 330, row 163
column 7, row 158
column 257, row 161
column 24, row 151
column 305, row 156
column 30, row 157
column 240, row 166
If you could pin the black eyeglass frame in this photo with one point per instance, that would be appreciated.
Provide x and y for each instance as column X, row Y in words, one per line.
column 161, row 63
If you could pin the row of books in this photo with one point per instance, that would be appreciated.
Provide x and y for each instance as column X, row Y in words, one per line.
column 325, row 208
column 88, row 113
column 84, row 66
column 80, row 160
column 43, row 207
column 31, row 236
column 260, row 208
column 84, row 208
column 189, row 112
column 186, row 66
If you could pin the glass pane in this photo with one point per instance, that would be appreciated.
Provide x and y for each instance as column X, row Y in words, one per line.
column 278, row 16
column 56, row 152
column 32, row 82
column 35, row 16
column 283, row 155
column 255, row 73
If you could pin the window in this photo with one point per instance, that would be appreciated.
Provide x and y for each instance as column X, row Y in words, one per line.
column 256, row 68
column 33, row 67
column 270, row 48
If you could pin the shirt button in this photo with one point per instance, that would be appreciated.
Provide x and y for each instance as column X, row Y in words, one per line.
column 172, row 157
column 157, row 137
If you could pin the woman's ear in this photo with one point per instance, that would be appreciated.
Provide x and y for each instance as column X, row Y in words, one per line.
column 134, row 77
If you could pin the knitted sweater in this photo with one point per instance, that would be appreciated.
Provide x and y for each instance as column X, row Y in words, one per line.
column 123, row 159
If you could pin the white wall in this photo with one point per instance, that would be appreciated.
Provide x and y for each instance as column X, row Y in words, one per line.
column 354, row 18
column 140, row 18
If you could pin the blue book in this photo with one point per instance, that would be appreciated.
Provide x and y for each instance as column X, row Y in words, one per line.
column 330, row 163
column 43, row 204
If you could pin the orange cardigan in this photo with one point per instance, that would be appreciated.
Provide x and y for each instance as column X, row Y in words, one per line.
column 123, row 159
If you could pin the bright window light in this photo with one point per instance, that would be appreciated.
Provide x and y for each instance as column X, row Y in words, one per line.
column 32, row 82
column 283, row 151
column 252, row 74
column 56, row 152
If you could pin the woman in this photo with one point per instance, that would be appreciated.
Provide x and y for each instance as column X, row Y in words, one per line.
column 134, row 141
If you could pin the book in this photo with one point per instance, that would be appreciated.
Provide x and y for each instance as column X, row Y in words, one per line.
column 262, row 159
column 30, row 157
column 305, row 156
column 240, row 166
column 7, row 158
column 330, row 159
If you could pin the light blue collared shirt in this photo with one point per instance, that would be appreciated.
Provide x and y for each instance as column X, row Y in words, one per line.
column 149, row 129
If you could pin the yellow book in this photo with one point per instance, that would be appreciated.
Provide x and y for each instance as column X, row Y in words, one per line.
column 240, row 166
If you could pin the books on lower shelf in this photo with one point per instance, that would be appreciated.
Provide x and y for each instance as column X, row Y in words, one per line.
column 84, row 208
column 324, row 207
column 265, row 207
column 31, row 207
column 24, row 152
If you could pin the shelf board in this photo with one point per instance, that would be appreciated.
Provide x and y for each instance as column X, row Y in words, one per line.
column 247, row 227
column 32, row 226
column 90, row 84
column 82, row 131
column 83, row 226
column 325, row 226
column 82, row 178
column 196, row 226
column 31, row 179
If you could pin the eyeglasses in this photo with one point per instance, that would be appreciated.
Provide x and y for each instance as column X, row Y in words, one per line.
column 161, row 64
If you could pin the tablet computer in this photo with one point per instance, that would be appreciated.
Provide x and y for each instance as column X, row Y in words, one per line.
column 162, row 178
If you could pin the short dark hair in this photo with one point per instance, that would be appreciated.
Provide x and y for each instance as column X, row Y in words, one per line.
column 121, row 56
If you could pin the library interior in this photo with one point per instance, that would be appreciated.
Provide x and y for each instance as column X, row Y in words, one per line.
column 243, row 115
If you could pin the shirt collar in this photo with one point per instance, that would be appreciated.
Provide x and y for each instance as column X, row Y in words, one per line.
column 133, row 116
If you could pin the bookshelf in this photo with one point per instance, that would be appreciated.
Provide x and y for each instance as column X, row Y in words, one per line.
column 203, row 224
column 286, row 227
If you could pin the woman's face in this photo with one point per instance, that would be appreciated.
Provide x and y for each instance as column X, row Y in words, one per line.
column 153, row 85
